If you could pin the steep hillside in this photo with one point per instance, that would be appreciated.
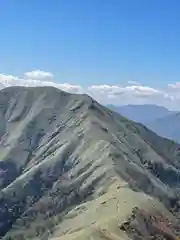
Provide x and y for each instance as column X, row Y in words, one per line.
column 168, row 126
column 141, row 113
column 72, row 169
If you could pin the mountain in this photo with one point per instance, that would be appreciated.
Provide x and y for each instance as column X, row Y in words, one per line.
column 168, row 126
column 141, row 113
column 71, row 169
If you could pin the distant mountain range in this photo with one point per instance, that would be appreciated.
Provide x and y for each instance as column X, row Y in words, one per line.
column 141, row 113
column 159, row 119
column 168, row 126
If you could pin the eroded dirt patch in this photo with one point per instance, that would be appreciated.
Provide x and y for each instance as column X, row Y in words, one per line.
column 143, row 225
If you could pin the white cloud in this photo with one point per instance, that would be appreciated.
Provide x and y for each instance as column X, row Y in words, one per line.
column 132, row 93
column 103, row 87
column 38, row 75
column 8, row 80
column 142, row 91
column 134, row 83
column 118, row 90
column 70, row 88
column 174, row 85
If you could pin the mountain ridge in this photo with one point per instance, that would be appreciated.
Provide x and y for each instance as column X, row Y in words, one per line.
column 64, row 155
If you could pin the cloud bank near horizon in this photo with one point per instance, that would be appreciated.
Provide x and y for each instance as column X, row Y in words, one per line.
column 132, row 93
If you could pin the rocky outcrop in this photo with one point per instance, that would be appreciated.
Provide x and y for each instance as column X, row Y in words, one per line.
column 146, row 225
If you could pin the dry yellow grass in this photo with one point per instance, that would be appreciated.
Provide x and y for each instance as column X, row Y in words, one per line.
column 100, row 219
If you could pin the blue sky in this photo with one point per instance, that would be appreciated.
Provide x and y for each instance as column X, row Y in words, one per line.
column 97, row 41
column 87, row 42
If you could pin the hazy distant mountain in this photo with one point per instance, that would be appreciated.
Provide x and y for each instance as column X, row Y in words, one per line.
column 141, row 113
column 159, row 119
column 168, row 126
column 70, row 169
